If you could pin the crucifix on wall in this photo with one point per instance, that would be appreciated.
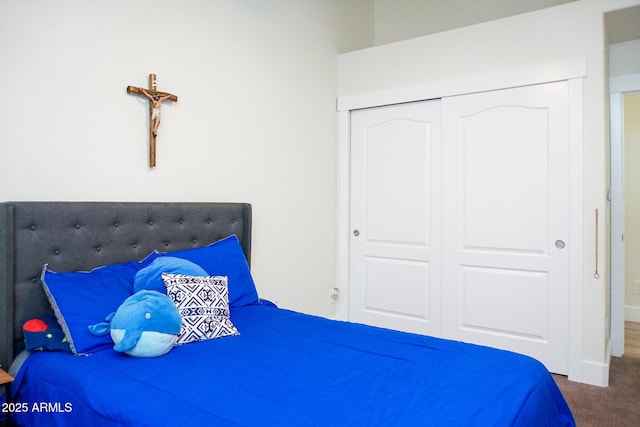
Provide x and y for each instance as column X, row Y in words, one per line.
column 155, row 104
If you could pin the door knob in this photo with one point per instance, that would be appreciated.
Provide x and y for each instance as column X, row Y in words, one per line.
column 560, row 244
column 356, row 232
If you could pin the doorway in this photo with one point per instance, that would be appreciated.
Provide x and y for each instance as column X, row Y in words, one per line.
column 625, row 207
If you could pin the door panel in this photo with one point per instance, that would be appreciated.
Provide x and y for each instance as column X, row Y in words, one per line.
column 395, row 208
column 506, row 203
column 504, row 162
column 390, row 281
column 521, row 292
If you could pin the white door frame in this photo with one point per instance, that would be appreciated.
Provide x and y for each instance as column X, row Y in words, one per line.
column 618, row 87
column 573, row 71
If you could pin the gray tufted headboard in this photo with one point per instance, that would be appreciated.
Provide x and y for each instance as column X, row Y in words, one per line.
column 72, row 236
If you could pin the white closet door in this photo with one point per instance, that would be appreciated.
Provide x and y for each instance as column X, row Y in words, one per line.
column 396, row 249
column 506, row 220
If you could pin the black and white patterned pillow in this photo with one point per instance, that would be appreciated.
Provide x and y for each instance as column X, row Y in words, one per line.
column 203, row 303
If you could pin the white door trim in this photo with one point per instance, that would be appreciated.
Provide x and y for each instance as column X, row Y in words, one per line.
column 573, row 70
column 618, row 86
column 344, row 212
column 578, row 370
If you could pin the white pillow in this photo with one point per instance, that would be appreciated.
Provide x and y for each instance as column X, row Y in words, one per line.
column 203, row 303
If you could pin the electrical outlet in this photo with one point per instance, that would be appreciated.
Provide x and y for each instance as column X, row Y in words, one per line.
column 333, row 295
column 636, row 287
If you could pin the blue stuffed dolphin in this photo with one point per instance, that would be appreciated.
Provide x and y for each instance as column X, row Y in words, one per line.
column 145, row 325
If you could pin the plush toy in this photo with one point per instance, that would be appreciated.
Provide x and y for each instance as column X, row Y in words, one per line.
column 150, row 277
column 145, row 325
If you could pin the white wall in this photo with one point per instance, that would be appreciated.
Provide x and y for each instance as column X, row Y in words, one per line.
column 403, row 19
column 356, row 24
column 572, row 30
column 624, row 58
column 255, row 120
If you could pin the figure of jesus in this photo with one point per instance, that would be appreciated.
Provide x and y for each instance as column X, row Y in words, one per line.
column 156, row 104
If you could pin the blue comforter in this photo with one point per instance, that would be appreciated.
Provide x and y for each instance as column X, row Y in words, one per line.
column 291, row 369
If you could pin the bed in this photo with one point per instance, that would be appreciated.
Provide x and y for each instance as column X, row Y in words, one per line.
column 282, row 368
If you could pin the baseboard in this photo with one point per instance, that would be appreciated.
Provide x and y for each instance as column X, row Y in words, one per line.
column 594, row 373
column 632, row 313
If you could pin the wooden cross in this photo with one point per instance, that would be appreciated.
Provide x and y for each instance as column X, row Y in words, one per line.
column 155, row 103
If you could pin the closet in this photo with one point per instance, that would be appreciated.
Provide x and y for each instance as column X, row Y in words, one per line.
column 459, row 218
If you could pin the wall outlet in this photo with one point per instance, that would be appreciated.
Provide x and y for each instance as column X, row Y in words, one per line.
column 333, row 295
column 636, row 287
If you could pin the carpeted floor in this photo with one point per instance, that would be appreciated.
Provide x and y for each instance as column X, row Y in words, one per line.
column 615, row 406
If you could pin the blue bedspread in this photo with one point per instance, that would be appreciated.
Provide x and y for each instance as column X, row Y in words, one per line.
column 291, row 369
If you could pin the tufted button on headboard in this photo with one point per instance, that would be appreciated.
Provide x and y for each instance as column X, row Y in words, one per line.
column 72, row 236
